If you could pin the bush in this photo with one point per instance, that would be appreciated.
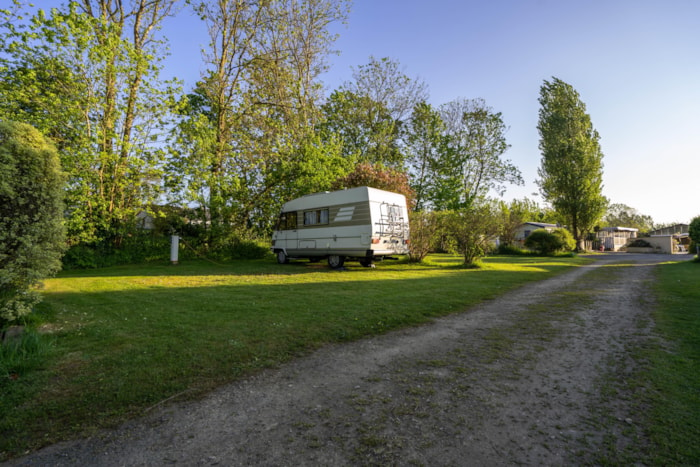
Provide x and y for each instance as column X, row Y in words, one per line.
column 545, row 242
column 32, row 237
column 424, row 228
column 237, row 246
column 694, row 233
column 504, row 249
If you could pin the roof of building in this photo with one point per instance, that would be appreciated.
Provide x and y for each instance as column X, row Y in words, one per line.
column 620, row 229
column 541, row 225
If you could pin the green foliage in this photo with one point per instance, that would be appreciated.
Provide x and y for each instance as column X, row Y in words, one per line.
column 32, row 236
column 426, row 143
column 367, row 130
column 424, row 229
column 377, row 176
column 472, row 163
column 621, row 215
column 545, row 242
column 89, row 80
column 514, row 214
column 694, row 233
column 133, row 248
column 246, row 138
column 472, row 230
column 571, row 171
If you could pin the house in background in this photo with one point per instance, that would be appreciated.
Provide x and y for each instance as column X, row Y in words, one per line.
column 678, row 229
column 675, row 239
column 614, row 238
column 524, row 230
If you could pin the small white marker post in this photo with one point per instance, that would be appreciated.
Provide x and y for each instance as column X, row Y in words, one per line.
column 174, row 248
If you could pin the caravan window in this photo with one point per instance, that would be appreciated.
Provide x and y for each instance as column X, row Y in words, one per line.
column 318, row 216
column 287, row 221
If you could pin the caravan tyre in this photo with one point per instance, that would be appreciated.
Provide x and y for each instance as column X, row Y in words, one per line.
column 282, row 257
column 336, row 261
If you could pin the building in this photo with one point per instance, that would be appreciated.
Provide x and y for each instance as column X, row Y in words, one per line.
column 524, row 230
column 615, row 238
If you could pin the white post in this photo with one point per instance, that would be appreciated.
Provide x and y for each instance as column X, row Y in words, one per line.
column 174, row 247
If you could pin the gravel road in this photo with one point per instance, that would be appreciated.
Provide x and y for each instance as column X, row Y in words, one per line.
column 538, row 376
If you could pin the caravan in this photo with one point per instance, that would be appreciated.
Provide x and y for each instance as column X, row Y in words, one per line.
column 363, row 224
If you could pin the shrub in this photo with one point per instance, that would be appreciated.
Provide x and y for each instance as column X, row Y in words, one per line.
column 694, row 233
column 567, row 239
column 547, row 243
column 639, row 243
column 504, row 249
column 472, row 230
column 32, row 237
column 424, row 228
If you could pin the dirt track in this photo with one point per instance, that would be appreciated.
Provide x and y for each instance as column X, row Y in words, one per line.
column 535, row 377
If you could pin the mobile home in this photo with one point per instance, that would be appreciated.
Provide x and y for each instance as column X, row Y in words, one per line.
column 362, row 224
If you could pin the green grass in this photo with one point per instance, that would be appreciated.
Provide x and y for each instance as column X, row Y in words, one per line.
column 125, row 339
column 674, row 377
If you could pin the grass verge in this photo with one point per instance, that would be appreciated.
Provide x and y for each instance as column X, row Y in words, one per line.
column 126, row 339
column 674, row 376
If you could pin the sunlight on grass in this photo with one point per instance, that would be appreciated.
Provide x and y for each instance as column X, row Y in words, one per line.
column 127, row 338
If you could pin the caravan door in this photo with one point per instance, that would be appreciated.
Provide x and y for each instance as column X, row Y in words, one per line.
column 287, row 236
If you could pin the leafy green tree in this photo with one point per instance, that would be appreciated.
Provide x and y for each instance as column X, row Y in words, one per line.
column 365, row 127
column 694, row 233
column 472, row 165
column 424, row 229
column 571, row 171
column 31, row 217
column 377, row 176
column 426, row 145
column 87, row 76
column 369, row 112
column 621, row 215
column 249, row 126
column 515, row 213
column 473, row 230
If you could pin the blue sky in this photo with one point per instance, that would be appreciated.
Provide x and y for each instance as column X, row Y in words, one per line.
column 635, row 63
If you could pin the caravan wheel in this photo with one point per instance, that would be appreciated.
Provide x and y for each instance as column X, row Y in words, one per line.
column 336, row 261
column 282, row 257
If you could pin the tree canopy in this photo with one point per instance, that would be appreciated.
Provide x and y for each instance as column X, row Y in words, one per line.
column 571, row 170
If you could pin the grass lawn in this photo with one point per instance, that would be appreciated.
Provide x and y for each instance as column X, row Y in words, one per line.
column 674, row 374
column 116, row 342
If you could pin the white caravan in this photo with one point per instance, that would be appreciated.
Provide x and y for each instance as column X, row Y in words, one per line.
column 363, row 224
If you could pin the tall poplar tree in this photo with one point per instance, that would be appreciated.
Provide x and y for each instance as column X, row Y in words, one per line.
column 571, row 170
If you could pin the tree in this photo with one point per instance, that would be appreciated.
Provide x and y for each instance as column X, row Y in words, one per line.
column 31, row 217
column 513, row 214
column 87, row 76
column 425, row 143
column 571, row 171
column 382, row 81
column 621, row 215
column 424, row 228
column 365, row 127
column 249, row 126
column 472, row 165
column 473, row 230
column 370, row 111
column 377, row 176
column 694, row 233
